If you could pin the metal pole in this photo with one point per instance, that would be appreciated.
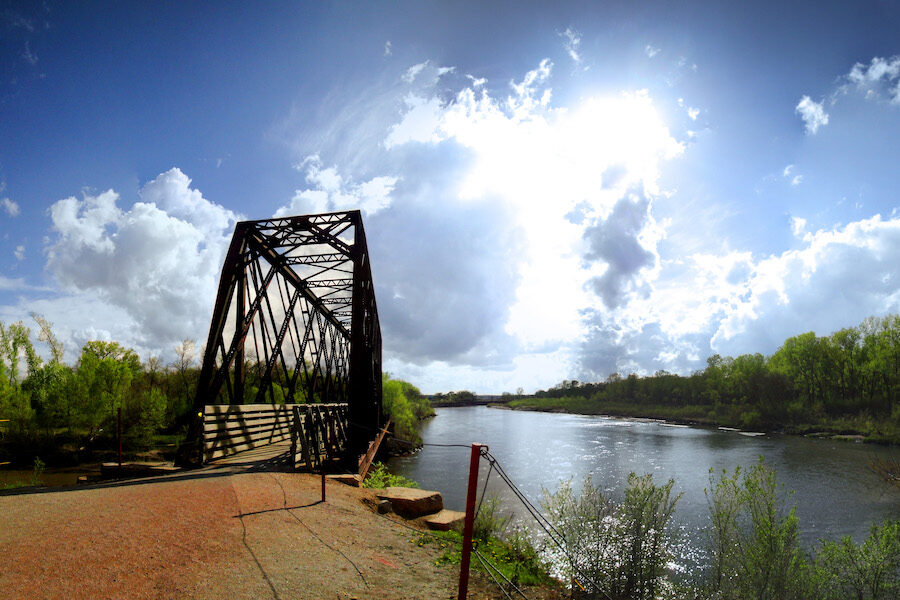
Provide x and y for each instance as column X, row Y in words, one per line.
column 470, row 521
column 327, row 451
column 119, row 436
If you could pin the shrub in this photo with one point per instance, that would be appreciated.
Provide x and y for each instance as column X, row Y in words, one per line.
column 488, row 521
column 397, row 404
column 752, row 542
column 527, row 566
column 379, row 477
column 869, row 571
column 619, row 549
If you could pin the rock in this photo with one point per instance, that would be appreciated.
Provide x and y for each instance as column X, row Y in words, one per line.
column 411, row 502
column 347, row 479
column 445, row 520
column 378, row 505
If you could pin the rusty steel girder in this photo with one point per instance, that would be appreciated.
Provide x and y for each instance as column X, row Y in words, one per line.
column 295, row 320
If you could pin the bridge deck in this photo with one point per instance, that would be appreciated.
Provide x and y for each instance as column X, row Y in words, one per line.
column 278, row 452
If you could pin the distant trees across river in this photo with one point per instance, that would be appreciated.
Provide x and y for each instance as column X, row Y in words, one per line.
column 844, row 383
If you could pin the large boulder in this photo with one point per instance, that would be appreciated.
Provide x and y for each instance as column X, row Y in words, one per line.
column 411, row 502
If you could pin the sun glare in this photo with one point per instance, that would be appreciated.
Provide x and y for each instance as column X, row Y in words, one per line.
column 549, row 168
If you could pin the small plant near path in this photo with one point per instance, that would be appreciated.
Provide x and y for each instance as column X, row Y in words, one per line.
column 379, row 477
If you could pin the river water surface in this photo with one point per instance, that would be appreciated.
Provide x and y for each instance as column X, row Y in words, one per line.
column 834, row 491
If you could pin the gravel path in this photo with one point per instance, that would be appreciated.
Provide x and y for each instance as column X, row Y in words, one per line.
column 224, row 533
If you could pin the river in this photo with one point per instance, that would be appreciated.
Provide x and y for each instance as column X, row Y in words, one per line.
column 829, row 482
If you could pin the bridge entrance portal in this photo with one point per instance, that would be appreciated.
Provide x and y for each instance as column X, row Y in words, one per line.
column 295, row 322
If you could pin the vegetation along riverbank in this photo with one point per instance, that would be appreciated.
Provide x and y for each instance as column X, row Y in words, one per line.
column 623, row 544
column 846, row 383
column 55, row 414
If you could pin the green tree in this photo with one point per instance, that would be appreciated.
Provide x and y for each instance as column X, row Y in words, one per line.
column 15, row 341
column 804, row 358
column 103, row 380
column 406, row 407
column 46, row 335
column 50, row 389
column 146, row 416
column 185, row 358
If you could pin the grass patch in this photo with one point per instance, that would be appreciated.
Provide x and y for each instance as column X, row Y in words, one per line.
column 379, row 477
column 509, row 550
column 572, row 404
column 514, row 556
column 33, row 481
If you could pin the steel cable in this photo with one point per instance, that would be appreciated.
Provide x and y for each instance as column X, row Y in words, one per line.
column 485, row 561
column 552, row 532
column 487, row 570
column 544, row 523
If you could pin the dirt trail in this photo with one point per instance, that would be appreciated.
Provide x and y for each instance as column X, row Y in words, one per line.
column 214, row 534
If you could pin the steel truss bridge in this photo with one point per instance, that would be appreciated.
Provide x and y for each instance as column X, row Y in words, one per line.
column 294, row 323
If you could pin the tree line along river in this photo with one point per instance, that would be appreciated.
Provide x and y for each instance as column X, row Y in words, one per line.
column 829, row 481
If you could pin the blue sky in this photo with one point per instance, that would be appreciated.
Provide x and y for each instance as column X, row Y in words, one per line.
column 549, row 192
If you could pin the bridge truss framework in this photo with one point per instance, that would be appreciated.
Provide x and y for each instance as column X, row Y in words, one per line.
column 295, row 320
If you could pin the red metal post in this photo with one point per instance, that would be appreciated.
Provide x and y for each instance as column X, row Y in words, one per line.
column 470, row 521
column 119, row 436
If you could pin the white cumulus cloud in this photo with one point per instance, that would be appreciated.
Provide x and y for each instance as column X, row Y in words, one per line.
column 577, row 184
column 734, row 303
column 812, row 113
column 157, row 262
column 880, row 78
column 328, row 191
column 419, row 122
column 838, row 278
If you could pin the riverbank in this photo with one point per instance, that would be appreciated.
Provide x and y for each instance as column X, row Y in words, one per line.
column 215, row 533
column 828, row 482
column 839, row 429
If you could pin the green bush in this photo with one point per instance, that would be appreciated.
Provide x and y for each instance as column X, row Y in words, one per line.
column 869, row 571
column 753, row 542
column 489, row 522
column 620, row 548
column 405, row 405
column 379, row 477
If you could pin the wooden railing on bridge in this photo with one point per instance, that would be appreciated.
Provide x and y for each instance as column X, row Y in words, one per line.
column 319, row 434
column 317, row 431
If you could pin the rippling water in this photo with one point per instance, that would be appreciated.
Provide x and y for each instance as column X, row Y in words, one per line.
column 834, row 491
